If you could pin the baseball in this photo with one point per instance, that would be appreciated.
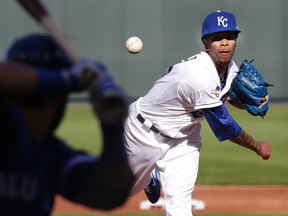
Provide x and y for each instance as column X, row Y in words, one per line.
column 134, row 45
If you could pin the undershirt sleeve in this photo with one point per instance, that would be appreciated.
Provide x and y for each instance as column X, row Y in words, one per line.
column 221, row 122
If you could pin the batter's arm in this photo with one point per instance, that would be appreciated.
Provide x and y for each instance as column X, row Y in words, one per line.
column 107, row 182
column 262, row 148
column 103, row 183
column 16, row 79
column 20, row 80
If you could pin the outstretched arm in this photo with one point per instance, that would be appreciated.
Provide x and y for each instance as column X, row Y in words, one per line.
column 224, row 127
column 262, row 148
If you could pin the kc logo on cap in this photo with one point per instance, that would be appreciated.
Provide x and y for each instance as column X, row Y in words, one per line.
column 219, row 21
column 222, row 21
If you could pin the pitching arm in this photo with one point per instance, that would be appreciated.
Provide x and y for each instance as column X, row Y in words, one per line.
column 262, row 148
column 224, row 127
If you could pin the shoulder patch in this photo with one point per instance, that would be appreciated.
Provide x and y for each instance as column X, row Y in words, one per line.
column 216, row 91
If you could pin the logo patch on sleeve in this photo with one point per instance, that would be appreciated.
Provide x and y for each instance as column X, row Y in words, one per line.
column 216, row 91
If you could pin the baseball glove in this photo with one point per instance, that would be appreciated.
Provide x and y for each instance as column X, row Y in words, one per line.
column 249, row 89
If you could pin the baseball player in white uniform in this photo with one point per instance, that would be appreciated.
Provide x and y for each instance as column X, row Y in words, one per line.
column 163, row 127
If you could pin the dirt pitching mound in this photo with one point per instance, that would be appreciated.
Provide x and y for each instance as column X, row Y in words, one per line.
column 216, row 199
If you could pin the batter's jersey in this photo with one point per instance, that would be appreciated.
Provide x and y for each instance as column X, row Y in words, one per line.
column 31, row 173
column 175, row 101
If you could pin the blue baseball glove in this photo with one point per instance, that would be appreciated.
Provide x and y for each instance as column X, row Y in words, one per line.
column 249, row 89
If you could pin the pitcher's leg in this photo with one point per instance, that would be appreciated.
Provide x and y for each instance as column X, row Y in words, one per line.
column 143, row 151
column 178, row 176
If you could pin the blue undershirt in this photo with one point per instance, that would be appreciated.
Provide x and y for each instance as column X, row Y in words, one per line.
column 221, row 122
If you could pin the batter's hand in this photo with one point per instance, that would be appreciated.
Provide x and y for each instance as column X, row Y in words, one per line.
column 83, row 73
column 264, row 150
column 109, row 101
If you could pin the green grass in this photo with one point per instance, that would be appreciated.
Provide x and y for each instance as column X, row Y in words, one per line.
column 220, row 162
column 80, row 129
column 228, row 163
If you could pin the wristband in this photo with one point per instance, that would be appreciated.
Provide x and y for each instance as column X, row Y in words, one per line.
column 51, row 82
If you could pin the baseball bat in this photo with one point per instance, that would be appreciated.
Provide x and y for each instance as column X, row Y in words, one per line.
column 40, row 14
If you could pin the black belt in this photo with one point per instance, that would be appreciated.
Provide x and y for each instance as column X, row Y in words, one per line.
column 141, row 119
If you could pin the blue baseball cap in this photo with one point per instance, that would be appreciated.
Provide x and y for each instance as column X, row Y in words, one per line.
column 39, row 50
column 219, row 21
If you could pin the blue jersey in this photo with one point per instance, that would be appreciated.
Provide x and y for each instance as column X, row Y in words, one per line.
column 31, row 173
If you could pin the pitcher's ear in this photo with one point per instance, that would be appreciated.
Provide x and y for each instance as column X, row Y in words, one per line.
column 205, row 43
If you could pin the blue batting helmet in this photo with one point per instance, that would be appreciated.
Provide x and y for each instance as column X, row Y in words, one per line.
column 219, row 21
column 38, row 50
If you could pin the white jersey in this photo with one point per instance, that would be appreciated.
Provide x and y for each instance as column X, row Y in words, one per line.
column 174, row 102
column 173, row 106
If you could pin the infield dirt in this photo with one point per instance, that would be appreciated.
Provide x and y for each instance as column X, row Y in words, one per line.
column 217, row 199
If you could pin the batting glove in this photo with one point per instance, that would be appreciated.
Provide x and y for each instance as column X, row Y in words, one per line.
column 83, row 73
column 109, row 101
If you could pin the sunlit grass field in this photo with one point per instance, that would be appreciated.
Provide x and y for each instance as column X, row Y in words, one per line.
column 220, row 163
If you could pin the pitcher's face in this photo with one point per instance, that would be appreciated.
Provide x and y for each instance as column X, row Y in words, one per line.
column 221, row 47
